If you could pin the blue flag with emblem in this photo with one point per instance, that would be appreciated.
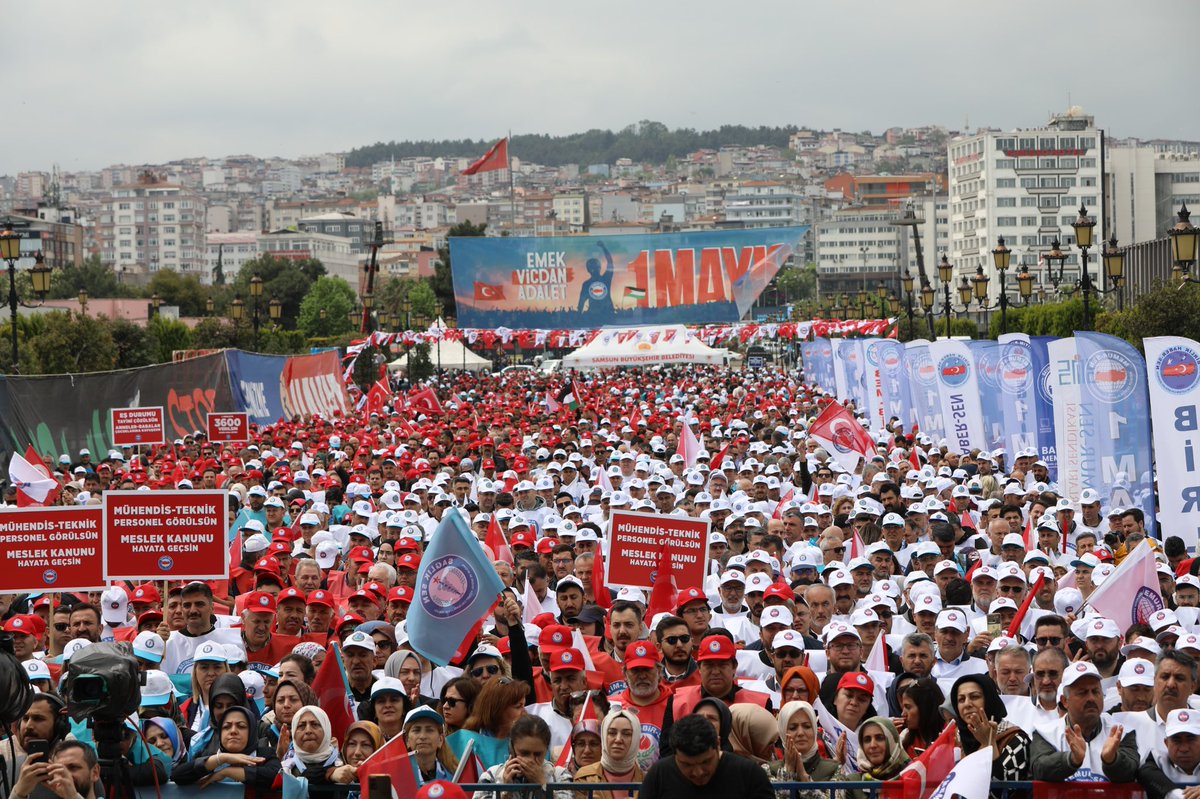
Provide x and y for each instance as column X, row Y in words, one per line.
column 456, row 587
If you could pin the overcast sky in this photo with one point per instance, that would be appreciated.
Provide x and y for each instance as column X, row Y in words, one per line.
column 93, row 84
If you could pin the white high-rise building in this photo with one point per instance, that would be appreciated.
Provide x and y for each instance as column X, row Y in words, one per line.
column 1026, row 185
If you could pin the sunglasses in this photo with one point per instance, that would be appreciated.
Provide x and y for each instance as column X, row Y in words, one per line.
column 677, row 640
column 479, row 671
column 1050, row 640
column 452, row 702
column 61, row 627
column 1011, row 589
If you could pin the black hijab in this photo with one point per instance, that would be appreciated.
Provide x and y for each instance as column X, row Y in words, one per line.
column 726, row 720
column 993, row 707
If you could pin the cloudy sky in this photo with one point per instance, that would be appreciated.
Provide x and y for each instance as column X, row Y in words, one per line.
column 127, row 81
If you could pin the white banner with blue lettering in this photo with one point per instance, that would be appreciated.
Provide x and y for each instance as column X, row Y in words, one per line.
column 923, row 389
column 1174, row 366
column 958, row 387
column 1017, row 403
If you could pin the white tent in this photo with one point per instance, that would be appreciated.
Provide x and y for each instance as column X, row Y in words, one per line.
column 448, row 354
column 646, row 346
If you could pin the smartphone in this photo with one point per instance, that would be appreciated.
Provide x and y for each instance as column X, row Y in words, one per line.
column 37, row 746
column 994, row 625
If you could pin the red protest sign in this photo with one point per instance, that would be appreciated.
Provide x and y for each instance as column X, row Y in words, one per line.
column 166, row 535
column 135, row 426
column 636, row 539
column 226, row 427
column 52, row 549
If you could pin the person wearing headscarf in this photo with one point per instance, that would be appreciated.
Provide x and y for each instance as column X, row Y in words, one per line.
column 802, row 761
column 981, row 717
column 407, row 666
column 585, row 745
column 363, row 739
column 227, row 691
column 718, row 713
column 753, row 732
column 880, row 755
column 236, row 754
column 799, row 684
column 276, row 725
column 163, row 734
column 620, row 736
column 895, row 691
column 313, row 754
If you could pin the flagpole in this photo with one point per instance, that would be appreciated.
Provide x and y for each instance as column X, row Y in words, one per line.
column 512, row 191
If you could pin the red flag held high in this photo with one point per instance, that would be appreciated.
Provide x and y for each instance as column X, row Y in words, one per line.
column 332, row 688
column 599, row 584
column 662, row 595
column 391, row 760
column 493, row 159
column 496, row 542
column 425, row 400
column 378, row 396
column 719, row 458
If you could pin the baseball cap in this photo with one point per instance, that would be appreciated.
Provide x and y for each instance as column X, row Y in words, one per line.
column 210, row 652
column 114, row 605
column 158, row 689
column 776, row 614
column 386, row 685
column 1101, row 627
column 261, row 602
column 566, row 660
column 838, row 630
column 1077, row 671
column 689, row 596
column 148, row 645
column 1183, row 720
column 1136, row 672
column 360, row 639
column 423, row 712
column 952, row 619
column 441, row 789
column 641, row 655
column 716, row 647
column 857, row 681
column 36, row 670
column 1087, row 560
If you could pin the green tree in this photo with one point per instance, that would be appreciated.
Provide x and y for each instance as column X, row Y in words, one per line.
column 133, row 342
column 218, row 334
column 167, row 336
column 184, row 291
column 443, row 282
column 91, row 276
column 797, row 282
column 285, row 280
column 335, row 298
column 420, row 367
column 72, row 343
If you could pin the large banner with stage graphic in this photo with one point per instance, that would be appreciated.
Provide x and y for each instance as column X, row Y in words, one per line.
column 627, row 281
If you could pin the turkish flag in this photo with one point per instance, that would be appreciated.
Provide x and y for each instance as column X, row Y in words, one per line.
column 486, row 292
column 378, row 396
column 496, row 542
column 391, row 760
column 425, row 400
column 493, row 159
column 332, row 688
column 599, row 584
column 836, row 429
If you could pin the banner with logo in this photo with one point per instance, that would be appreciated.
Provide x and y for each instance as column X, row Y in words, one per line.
column 52, row 549
column 1018, row 406
column 312, row 384
column 887, row 357
column 958, row 388
column 166, row 535
column 623, row 281
column 135, row 427
column 1116, row 397
column 1174, row 366
column 231, row 427
column 872, row 371
column 850, row 352
column 923, row 391
column 987, row 364
column 824, row 354
column 1043, row 394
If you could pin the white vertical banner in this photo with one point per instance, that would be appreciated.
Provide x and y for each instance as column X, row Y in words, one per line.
column 1173, row 364
column 873, row 379
column 923, row 388
column 839, row 371
column 958, row 386
column 1070, row 426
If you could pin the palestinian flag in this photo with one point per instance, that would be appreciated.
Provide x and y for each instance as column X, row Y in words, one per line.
column 635, row 293
column 568, row 397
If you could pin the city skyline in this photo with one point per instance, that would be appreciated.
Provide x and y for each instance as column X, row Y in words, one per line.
column 169, row 82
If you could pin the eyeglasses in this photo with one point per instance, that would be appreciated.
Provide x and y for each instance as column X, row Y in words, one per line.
column 479, row 671
column 787, row 652
column 1049, row 640
column 61, row 627
column 676, row 640
column 696, row 610
column 450, row 701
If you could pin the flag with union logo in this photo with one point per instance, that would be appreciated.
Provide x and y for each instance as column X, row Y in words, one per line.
column 456, row 587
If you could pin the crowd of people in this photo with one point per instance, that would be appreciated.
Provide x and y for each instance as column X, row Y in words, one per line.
column 850, row 619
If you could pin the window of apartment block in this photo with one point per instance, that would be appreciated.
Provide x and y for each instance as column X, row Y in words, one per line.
column 1087, row 163
column 1029, row 202
column 1006, row 183
column 1066, row 143
column 1029, row 183
column 1087, row 142
column 1028, row 143
column 1048, row 143
column 1029, row 221
column 1004, row 163
column 1006, row 202
column 1066, row 163
column 1026, row 163
column 1006, row 144
column 1006, row 221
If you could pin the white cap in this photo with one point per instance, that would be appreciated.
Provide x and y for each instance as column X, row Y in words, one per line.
column 1136, row 672
column 952, row 619
column 776, row 614
column 360, row 639
column 929, row 603
column 1013, row 540
column 1143, row 643
column 36, row 669
column 733, row 576
column 148, row 645
column 1067, row 600
column 1077, row 671
column 114, row 606
column 788, row 638
column 838, row 630
column 1100, row 627
column 1183, row 720
column 255, row 543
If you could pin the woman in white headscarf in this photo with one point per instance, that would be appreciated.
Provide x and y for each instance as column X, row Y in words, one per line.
column 313, row 754
column 620, row 736
column 802, row 761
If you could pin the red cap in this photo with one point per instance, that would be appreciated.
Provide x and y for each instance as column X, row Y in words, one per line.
column 690, row 595
column 504, row 646
column 554, row 638
column 567, row 660
column 546, row 545
column 281, row 546
column 150, row 615
column 363, row 593
column 716, row 647
column 362, row 555
column 544, row 620
column 857, row 681
column 779, row 591
column 260, row 602
column 406, row 544
column 521, row 539
column 641, row 654
column 409, row 560
column 321, row 597
column 401, row 593
column 440, row 789
column 145, row 593
column 347, row 618
column 21, row 624
column 289, row 594
column 268, row 565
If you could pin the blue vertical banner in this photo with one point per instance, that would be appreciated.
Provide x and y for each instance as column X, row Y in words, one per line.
column 958, row 387
column 824, row 353
column 1019, row 406
column 1116, row 395
column 923, row 389
column 1043, row 396
column 840, row 382
column 889, row 354
column 850, row 352
column 987, row 363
